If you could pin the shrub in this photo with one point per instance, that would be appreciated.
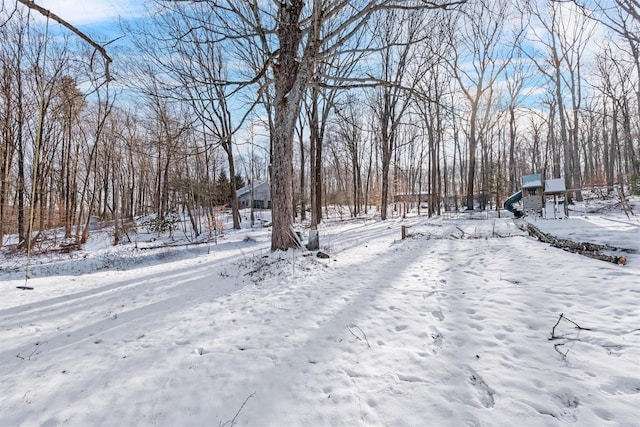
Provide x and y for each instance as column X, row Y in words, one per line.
column 634, row 182
column 161, row 224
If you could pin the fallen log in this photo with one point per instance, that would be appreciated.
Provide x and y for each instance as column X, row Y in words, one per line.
column 591, row 250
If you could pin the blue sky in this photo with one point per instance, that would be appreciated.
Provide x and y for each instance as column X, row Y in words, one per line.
column 100, row 19
column 94, row 12
column 97, row 18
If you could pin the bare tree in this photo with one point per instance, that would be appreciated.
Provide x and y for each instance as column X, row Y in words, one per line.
column 195, row 73
column 17, row 107
column 565, row 36
column 632, row 7
column 50, row 15
column 399, row 32
column 292, row 39
column 623, row 19
column 70, row 102
column 616, row 86
column 89, row 193
column 323, row 99
column 483, row 49
column 44, row 108
column 515, row 78
column 434, row 111
column 349, row 131
column 11, row 114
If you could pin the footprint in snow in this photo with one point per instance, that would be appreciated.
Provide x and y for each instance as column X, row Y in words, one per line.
column 471, row 421
column 485, row 393
column 199, row 351
column 568, row 403
column 622, row 385
column 437, row 340
column 437, row 313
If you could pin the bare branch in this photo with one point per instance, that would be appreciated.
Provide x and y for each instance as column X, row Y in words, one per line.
column 45, row 12
column 349, row 327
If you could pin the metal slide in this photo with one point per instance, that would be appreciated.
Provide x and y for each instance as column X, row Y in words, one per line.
column 513, row 199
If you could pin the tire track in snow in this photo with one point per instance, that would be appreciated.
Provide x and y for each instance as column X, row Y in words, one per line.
column 60, row 322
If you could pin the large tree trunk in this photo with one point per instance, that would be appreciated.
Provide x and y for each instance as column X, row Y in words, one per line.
column 315, row 157
column 290, row 80
column 317, row 173
column 282, row 175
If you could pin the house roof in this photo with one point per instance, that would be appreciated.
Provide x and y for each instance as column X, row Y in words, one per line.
column 247, row 188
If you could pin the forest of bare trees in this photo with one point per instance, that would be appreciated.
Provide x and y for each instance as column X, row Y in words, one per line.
column 368, row 105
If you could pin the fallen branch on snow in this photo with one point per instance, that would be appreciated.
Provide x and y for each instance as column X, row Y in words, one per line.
column 553, row 336
column 358, row 337
column 38, row 345
column 232, row 422
column 562, row 316
column 591, row 250
column 565, row 340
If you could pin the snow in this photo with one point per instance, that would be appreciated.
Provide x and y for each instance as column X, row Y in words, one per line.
column 556, row 185
column 532, row 181
column 450, row 327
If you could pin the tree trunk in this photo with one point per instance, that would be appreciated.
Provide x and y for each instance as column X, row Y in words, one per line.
column 386, row 162
column 513, row 180
column 282, row 175
column 473, row 147
column 302, row 193
column 235, row 212
column 290, row 79
column 315, row 158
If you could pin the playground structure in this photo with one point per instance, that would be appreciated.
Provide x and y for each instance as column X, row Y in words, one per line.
column 539, row 197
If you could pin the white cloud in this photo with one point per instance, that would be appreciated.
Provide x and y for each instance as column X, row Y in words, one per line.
column 82, row 12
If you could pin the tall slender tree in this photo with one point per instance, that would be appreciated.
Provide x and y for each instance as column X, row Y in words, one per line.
column 483, row 49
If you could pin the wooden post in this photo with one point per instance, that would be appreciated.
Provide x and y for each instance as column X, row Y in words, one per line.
column 314, row 240
column 404, row 232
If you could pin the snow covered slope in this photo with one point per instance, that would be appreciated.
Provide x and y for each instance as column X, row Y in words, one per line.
column 450, row 327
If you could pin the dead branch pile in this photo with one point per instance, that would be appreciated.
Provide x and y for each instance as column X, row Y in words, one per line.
column 591, row 250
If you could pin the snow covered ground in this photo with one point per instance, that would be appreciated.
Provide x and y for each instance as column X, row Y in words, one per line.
column 450, row 327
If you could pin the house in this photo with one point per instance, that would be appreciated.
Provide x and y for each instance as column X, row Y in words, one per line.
column 261, row 196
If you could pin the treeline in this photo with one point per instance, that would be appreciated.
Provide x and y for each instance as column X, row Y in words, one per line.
column 446, row 103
